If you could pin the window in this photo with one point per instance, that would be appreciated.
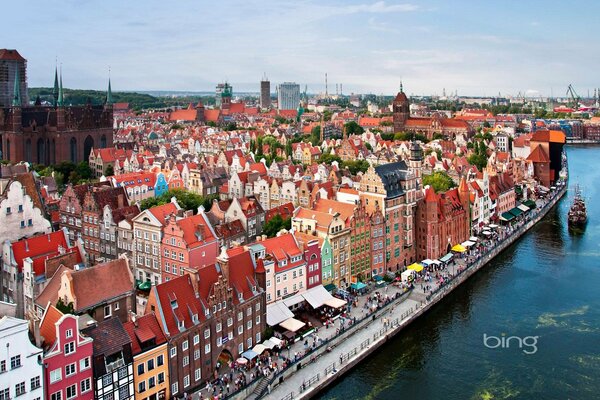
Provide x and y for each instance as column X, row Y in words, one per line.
column 249, row 325
column 175, row 388
column 173, row 351
column 241, row 348
column 186, row 381
column 106, row 380
column 150, row 364
column 249, row 311
column 55, row 375
column 219, row 327
column 142, row 387
column 249, row 343
column 15, row 362
column 184, row 345
column 84, row 363
column 257, row 306
column 198, row 374
column 116, row 306
column 3, row 366
column 71, row 392
column 140, row 369
column 69, row 333
column 240, row 316
column 161, row 377
column 55, row 396
column 240, row 329
column 160, row 360
column 186, row 361
column 196, row 354
column 20, row 388
column 123, row 392
column 70, row 369
column 258, row 337
column 206, row 334
column 86, row 385
column 229, row 321
column 207, row 348
column 5, row 394
column 257, row 319
column 69, row 348
column 151, row 382
column 107, row 311
column 122, row 373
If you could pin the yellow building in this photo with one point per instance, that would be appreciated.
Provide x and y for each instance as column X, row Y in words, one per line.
column 150, row 361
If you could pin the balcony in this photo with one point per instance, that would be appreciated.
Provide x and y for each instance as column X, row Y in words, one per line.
column 110, row 367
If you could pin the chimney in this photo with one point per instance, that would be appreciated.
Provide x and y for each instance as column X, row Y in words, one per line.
column 120, row 202
column 36, row 333
column 223, row 261
column 26, row 245
column 194, row 278
column 133, row 318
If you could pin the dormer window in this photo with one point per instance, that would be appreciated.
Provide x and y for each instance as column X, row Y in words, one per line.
column 195, row 318
column 174, row 304
column 240, row 296
column 181, row 325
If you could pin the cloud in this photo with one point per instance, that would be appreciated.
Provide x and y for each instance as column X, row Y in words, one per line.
column 380, row 7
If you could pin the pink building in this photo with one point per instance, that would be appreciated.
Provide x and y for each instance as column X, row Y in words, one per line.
column 187, row 242
column 311, row 246
column 67, row 358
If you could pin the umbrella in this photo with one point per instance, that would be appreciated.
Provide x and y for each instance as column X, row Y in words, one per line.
column 241, row 361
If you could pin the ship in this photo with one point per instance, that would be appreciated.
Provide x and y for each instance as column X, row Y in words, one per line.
column 578, row 211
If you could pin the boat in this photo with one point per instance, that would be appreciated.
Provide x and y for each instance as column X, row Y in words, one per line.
column 578, row 212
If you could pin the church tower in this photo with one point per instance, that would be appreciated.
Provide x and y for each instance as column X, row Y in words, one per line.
column 400, row 110
column 415, row 162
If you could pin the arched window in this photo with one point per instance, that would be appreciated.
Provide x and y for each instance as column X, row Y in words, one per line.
column 73, row 150
column 103, row 142
column 28, row 150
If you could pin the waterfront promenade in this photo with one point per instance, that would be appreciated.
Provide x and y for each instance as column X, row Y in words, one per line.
column 341, row 346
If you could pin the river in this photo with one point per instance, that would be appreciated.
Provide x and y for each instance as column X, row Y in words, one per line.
column 546, row 285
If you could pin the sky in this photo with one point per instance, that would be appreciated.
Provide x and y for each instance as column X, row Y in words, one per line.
column 473, row 47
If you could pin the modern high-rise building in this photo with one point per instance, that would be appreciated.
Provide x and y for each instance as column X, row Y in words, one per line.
column 288, row 96
column 11, row 62
column 265, row 93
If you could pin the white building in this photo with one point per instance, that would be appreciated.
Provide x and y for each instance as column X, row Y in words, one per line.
column 20, row 215
column 288, row 96
column 21, row 368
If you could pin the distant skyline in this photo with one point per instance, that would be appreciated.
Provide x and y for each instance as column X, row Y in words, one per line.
column 473, row 47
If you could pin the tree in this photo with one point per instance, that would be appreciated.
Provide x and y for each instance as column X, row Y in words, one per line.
column 109, row 171
column 440, row 181
column 356, row 166
column 437, row 135
column 288, row 148
column 352, row 128
column 186, row 200
column 328, row 158
column 259, row 146
column 65, row 308
column 275, row 224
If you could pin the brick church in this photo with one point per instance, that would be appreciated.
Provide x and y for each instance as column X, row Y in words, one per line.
column 45, row 134
column 427, row 126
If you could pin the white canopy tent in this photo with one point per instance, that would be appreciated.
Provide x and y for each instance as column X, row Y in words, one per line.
column 473, row 239
column 292, row 324
column 468, row 243
column 427, row 262
column 278, row 312
column 317, row 296
column 334, row 302
column 406, row 274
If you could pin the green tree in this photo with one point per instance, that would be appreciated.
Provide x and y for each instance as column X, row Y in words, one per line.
column 259, row 147
column 328, row 158
column 353, row 128
column 440, row 181
column 276, row 224
column 368, row 146
column 65, row 308
column 109, row 171
column 356, row 166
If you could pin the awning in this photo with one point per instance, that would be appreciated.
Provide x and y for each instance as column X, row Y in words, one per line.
column 507, row 216
column 486, row 233
column 278, row 342
column 530, row 203
column 515, row 211
column 249, row 354
column 268, row 344
column 334, row 302
column 330, row 287
column 316, row 296
column 493, row 226
column 467, row 243
column 436, row 262
column 427, row 262
column 523, row 207
column 415, row 267
column 259, row 348
column 293, row 300
column 358, row 286
column 291, row 325
column 378, row 278
column 446, row 258
column 473, row 239
column 277, row 312
column 458, row 248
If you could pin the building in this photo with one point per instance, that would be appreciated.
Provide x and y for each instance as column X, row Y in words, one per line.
column 12, row 67
column 103, row 291
column 26, row 261
column 394, row 189
column 288, row 96
column 213, row 314
column 442, row 221
column 22, row 374
column 49, row 134
column 546, row 154
column 112, row 361
column 21, row 208
column 71, row 207
column 188, row 242
column 67, row 358
column 150, row 356
column 265, row 93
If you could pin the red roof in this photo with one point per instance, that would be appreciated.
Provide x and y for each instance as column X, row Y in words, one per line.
column 177, row 301
column 39, row 249
column 10, row 54
column 48, row 324
column 538, row 155
column 282, row 248
column 144, row 328
column 196, row 230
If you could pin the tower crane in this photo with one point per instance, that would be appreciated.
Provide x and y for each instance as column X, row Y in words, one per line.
column 575, row 99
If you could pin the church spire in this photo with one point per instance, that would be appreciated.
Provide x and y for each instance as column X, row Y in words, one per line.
column 60, row 100
column 401, row 90
column 109, row 98
column 55, row 90
column 17, row 91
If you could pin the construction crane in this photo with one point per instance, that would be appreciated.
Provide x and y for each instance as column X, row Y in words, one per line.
column 575, row 99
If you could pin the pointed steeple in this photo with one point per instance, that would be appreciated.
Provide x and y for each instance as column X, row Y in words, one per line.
column 401, row 90
column 60, row 101
column 109, row 98
column 55, row 90
column 17, row 91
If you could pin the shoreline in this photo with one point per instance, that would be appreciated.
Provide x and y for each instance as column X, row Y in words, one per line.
column 329, row 374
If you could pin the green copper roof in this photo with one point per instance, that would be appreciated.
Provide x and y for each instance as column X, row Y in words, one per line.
column 61, row 99
column 55, row 90
column 109, row 99
column 17, row 91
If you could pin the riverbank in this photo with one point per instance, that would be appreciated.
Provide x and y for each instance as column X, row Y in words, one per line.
column 353, row 348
